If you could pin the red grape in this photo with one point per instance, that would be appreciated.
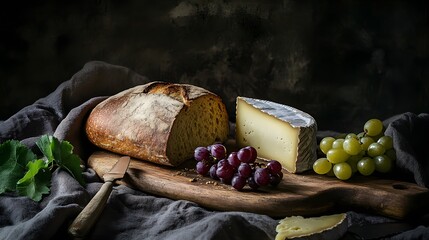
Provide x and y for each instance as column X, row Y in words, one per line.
column 212, row 172
column 202, row 167
column 245, row 170
column 251, row 182
column 262, row 176
column 238, row 169
column 218, row 151
column 274, row 166
column 201, row 153
column 253, row 154
column 233, row 160
column 275, row 178
column 222, row 162
column 225, row 171
column 244, row 155
column 238, row 182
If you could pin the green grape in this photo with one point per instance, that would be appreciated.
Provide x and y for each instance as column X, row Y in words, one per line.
column 326, row 144
column 386, row 141
column 366, row 166
column 361, row 135
column 375, row 149
column 342, row 171
column 365, row 152
column 365, row 142
column 391, row 153
column 337, row 155
column 322, row 166
column 373, row 127
column 352, row 161
column 352, row 146
column 383, row 164
column 351, row 135
column 338, row 143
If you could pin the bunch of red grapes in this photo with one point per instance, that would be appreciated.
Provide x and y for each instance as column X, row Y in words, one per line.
column 237, row 168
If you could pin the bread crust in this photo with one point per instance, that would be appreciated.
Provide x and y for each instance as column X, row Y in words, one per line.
column 138, row 121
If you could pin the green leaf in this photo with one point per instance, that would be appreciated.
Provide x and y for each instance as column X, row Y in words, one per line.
column 20, row 171
column 47, row 144
column 36, row 181
column 14, row 156
column 71, row 162
column 62, row 154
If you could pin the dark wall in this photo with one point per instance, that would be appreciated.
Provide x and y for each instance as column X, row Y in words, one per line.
column 341, row 61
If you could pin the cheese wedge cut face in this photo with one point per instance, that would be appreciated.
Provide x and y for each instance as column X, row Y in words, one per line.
column 324, row 227
column 277, row 132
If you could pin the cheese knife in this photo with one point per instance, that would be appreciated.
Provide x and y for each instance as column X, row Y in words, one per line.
column 89, row 215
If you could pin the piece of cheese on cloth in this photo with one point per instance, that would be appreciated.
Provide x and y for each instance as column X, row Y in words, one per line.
column 278, row 132
column 328, row 227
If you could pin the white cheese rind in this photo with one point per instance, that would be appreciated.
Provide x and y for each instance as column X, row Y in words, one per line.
column 278, row 132
column 330, row 227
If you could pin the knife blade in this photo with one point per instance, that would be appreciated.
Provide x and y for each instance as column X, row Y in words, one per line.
column 89, row 215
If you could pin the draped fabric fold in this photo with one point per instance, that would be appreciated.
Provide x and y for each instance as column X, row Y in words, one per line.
column 132, row 214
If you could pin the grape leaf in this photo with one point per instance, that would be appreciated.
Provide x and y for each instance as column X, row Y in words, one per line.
column 36, row 181
column 47, row 144
column 71, row 162
column 14, row 156
column 62, row 154
column 21, row 171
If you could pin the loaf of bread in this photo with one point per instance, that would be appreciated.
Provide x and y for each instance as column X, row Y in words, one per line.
column 159, row 122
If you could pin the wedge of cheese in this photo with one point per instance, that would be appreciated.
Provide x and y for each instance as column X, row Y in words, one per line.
column 277, row 132
column 329, row 227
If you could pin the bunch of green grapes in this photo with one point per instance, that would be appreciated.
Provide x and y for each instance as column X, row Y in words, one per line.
column 367, row 152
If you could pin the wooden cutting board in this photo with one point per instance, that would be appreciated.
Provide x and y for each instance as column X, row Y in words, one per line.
column 298, row 194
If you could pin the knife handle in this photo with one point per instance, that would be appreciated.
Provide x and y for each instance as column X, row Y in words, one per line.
column 89, row 215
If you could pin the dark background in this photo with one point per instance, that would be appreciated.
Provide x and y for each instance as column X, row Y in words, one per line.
column 341, row 61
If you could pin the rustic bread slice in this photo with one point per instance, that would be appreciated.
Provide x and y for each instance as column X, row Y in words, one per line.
column 159, row 122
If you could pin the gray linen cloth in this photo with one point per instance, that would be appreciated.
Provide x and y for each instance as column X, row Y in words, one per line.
column 132, row 214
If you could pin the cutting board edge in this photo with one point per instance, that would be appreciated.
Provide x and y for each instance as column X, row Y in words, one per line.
column 275, row 211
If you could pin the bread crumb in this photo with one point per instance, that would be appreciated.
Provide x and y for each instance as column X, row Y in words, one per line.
column 180, row 173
